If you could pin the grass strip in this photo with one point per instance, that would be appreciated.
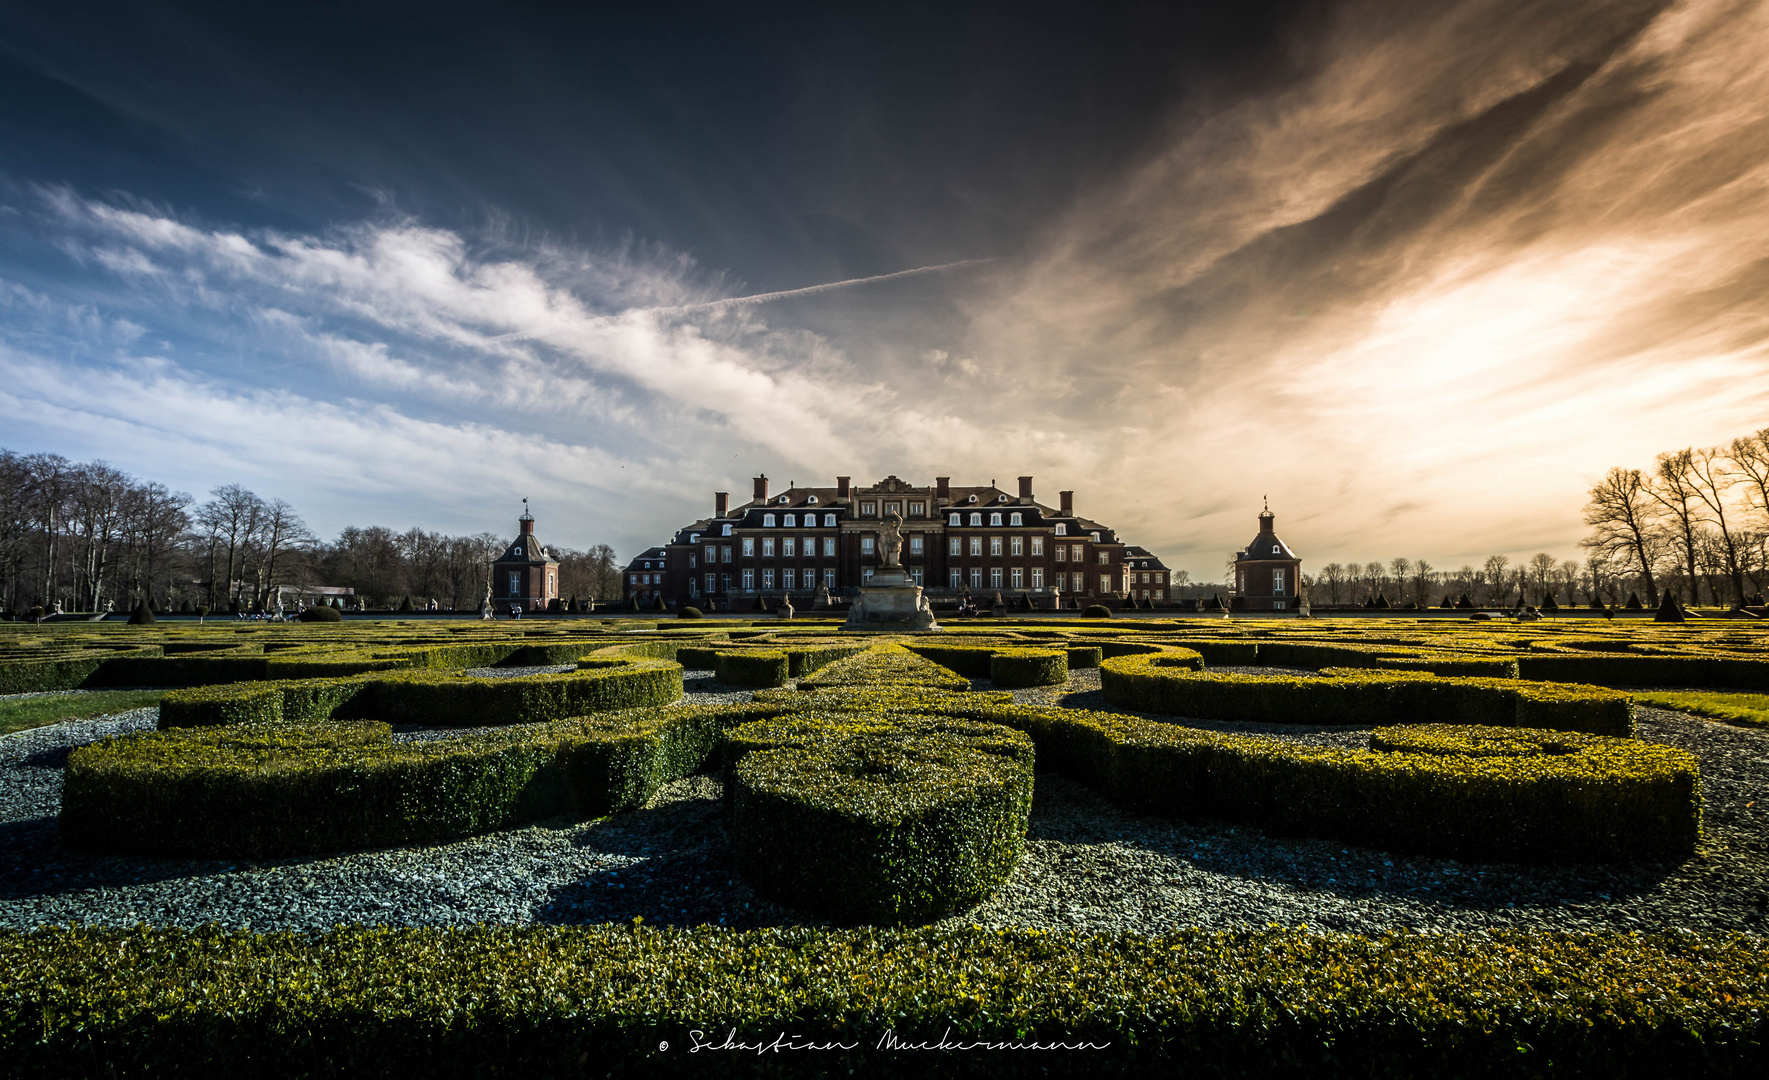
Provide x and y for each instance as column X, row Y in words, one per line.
column 21, row 714
column 1745, row 710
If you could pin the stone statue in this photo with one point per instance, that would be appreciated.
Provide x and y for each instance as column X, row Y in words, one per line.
column 891, row 544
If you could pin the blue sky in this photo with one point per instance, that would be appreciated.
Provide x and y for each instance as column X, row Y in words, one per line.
column 1420, row 273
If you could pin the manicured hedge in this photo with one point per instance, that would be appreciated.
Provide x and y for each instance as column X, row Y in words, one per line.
column 752, row 667
column 1734, row 673
column 1603, row 800
column 888, row 665
column 604, row 1000
column 883, row 821
column 1360, row 697
column 433, row 698
column 1014, row 668
column 263, row 791
column 29, row 671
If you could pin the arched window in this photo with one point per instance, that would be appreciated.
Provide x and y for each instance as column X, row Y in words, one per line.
column 1016, row 519
column 994, row 519
column 829, row 521
column 1061, row 529
column 789, row 521
column 810, row 500
column 976, row 519
column 956, row 519
column 767, row 521
column 783, row 500
column 973, row 498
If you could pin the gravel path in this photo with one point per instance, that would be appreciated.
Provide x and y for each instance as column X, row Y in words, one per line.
column 1088, row 866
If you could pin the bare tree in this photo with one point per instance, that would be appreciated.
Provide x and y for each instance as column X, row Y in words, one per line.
column 1333, row 577
column 1623, row 512
column 1711, row 478
column 1423, row 578
column 1674, row 491
column 1497, row 575
column 1750, row 456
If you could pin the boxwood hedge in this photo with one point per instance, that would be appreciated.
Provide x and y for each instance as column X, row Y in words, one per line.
column 886, row 665
column 865, row 818
column 605, row 1000
column 1012, row 668
column 1154, row 683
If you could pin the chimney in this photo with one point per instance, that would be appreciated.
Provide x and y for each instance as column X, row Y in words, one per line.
column 943, row 488
column 1068, row 498
column 721, row 503
column 841, row 487
column 762, row 488
column 1025, row 489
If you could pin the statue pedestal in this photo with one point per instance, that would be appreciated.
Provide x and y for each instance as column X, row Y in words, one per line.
column 891, row 601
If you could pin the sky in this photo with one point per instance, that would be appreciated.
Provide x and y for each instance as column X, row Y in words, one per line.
column 1419, row 273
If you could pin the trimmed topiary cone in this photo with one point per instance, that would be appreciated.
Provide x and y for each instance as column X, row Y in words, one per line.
column 143, row 615
column 1669, row 610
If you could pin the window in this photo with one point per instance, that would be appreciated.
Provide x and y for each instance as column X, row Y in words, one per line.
column 1038, row 545
column 1018, row 545
column 1240, row 581
column 868, row 509
column 693, row 561
column 789, row 546
column 995, row 520
column 727, row 531
column 918, row 509
column 1105, row 558
column 829, row 547
column 1158, row 594
column 972, row 499
column 1275, row 550
column 915, row 575
column 829, row 521
column 1016, row 519
column 694, row 538
column 915, row 544
column 995, row 545
column 693, row 587
column 518, row 549
column 749, row 547
column 724, row 582
column 893, row 508
column 724, row 552
column 712, row 583
column 1145, row 579
column 954, row 545
column 995, row 577
column 1094, row 537
column 1038, row 577
column 1019, row 578
column 1157, row 579
column 789, row 521
column 1061, row 529
column 1061, row 553
column 865, row 573
column 1081, row 583
column 829, row 578
column 749, row 580
column 783, row 500
column 767, row 547
column 712, row 553
column 976, row 574
column 1277, row 582
column 768, row 578
column 767, row 521
column 868, row 545
column 976, row 519
column 810, row 500
column 953, row 577
column 976, row 545
column 1076, row 554
column 516, row 582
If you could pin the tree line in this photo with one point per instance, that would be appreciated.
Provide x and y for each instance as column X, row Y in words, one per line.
column 89, row 537
column 1694, row 525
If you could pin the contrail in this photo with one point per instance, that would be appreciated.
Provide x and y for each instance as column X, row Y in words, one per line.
column 763, row 298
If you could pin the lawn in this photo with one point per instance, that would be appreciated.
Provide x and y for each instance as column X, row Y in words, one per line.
column 1746, row 710
column 19, row 714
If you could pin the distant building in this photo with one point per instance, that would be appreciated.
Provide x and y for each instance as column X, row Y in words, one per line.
column 1268, row 574
column 956, row 539
column 1145, row 575
column 526, row 575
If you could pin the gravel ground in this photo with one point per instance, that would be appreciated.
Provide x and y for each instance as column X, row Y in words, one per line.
column 1088, row 865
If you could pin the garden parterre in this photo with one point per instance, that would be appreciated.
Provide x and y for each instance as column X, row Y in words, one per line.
column 888, row 684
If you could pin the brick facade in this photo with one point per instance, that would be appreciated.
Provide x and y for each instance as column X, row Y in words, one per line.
column 1268, row 575
column 979, row 540
column 526, row 575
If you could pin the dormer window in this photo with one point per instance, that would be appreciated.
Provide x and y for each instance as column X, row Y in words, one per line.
column 829, row 521
column 790, row 521
column 694, row 538
column 955, row 519
column 1015, row 519
column 976, row 519
column 1061, row 529
column 1275, row 549
column 972, row 499
column 727, row 531
column 994, row 519
column 1094, row 537
column 518, row 549
column 783, row 500
column 767, row 521
column 1002, row 497
column 810, row 500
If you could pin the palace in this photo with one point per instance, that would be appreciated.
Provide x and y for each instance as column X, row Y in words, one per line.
column 956, row 540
